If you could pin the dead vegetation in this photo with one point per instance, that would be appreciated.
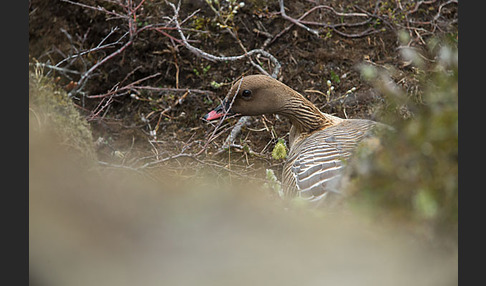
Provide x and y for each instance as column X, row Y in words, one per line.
column 146, row 71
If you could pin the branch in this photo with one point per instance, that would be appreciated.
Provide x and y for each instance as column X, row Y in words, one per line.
column 296, row 22
column 213, row 58
column 244, row 120
column 299, row 22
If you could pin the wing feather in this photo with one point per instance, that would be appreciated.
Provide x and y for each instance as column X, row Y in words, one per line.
column 315, row 164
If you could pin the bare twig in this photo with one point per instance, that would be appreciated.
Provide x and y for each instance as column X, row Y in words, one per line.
column 99, row 8
column 130, row 86
column 302, row 23
column 85, row 75
column 296, row 22
column 165, row 89
column 94, row 114
column 130, row 16
column 62, row 70
column 244, row 120
column 100, row 46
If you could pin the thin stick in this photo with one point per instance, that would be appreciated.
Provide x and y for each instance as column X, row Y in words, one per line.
column 296, row 22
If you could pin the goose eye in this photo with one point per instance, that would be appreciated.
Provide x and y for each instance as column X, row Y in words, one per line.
column 246, row 94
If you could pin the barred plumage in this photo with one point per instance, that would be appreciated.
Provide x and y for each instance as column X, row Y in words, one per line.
column 315, row 163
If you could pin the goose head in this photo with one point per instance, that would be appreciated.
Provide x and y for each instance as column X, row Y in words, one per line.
column 261, row 94
column 253, row 95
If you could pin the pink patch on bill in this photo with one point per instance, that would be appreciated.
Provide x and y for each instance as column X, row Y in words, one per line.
column 213, row 115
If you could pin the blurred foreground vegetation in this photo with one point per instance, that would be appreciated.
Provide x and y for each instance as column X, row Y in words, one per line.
column 52, row 111
column 113, row 226
column 412, row 176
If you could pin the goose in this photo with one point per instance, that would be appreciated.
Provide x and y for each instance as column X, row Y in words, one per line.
column 320, row 144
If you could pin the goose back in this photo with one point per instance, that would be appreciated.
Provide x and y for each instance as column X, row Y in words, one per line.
column 315, row 164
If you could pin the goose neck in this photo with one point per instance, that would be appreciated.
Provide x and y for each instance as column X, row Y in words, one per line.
column 305, row 116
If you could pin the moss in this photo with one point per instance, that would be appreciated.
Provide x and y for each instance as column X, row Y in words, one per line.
column 279, row 152
column 51, row 111
column 273, row 183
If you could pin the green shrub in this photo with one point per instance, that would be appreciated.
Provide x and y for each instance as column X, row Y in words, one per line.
column 413, row 174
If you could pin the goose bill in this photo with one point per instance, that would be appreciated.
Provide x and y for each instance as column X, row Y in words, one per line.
column 218, row 112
